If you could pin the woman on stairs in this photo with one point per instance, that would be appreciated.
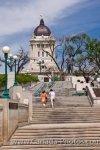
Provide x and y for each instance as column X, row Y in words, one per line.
column 52, row 97
column 44, row 98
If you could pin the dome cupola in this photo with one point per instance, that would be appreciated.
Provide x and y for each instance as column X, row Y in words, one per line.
column 42, row 29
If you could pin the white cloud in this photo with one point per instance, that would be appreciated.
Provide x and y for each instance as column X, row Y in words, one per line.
column 17, row 18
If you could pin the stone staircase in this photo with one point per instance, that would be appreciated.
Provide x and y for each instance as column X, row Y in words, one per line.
column 71, row 125
column 56, row 137
column 63, row 88
column 73, row 110
column 62, row 84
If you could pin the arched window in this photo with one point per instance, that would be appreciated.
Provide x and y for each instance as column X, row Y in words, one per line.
column 38, row 54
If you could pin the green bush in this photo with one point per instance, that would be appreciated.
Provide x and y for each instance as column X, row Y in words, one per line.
column 21, row 79
column 2, row 80
column 25, row 78
column 55, row 78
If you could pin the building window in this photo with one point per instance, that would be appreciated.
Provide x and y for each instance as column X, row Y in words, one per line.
column 42, row 54
column 38, row 54
column 46, row 54
column 42, row 45
column 38, row 45
column 46, row 45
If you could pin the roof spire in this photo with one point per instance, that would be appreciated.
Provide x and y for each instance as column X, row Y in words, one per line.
column 41, row 22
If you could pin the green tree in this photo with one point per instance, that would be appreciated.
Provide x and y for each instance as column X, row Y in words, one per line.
column 2, row 80
column 93, row 52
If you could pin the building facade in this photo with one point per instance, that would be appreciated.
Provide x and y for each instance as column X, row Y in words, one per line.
column 42, row 45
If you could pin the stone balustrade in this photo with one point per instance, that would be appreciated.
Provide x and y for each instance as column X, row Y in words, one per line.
column 95, row 101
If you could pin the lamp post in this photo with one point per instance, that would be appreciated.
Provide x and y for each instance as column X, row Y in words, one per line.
column 41, row 65
column 6, row 50
column 15, row 59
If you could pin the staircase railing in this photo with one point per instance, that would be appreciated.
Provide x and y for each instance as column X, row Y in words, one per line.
column 39, row 91
column 50, row 84
column 90, row 97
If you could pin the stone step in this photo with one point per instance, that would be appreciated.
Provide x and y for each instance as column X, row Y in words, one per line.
column 65, row 114
column 60, row 106
column 66, row 119
column 64, row 102
column 51, row 134
column 39, row 115
column 70, row 108
column 66, row 98
column 43, row 147
column 48, row 148
column 31, row 128
column 47, row 108
column 64, row 122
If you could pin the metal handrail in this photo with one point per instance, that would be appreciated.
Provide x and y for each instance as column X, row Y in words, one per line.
column 39, row 91
column 90, row 98
column 50, row 84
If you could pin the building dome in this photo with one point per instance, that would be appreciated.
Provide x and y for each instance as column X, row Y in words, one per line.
column 42, row 29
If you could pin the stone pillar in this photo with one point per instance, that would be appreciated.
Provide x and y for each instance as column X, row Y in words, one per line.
column 27, row 99
column 5, row 119
column 17, row 93
column 11, row 76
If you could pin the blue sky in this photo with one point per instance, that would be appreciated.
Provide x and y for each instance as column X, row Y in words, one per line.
column 18, row 18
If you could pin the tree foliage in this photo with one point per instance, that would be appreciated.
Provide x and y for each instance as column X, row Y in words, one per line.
column 26, row 78
column 2, row 80
column 93, row 53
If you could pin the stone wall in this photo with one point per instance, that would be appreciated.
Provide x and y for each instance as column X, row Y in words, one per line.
column 23, row 113
column 11, row 77
column 24, row 96
column 11, row 114
column 13, row 117
column 1, row 125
